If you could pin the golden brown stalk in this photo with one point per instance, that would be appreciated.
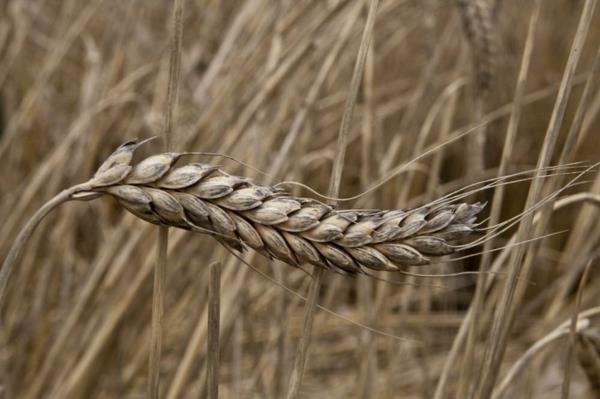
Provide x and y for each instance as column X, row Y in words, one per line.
column 240, row 214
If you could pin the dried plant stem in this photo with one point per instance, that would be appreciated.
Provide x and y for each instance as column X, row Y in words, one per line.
column 505, row 311
column 212, row 349
column 281, row 357
column 199, row 334
column 511, row 134
column 160, row 270
column 174, row 71
column 309, row 316
column 18, row 246
column 366, row 385
column 334, row 188
column 366, row 380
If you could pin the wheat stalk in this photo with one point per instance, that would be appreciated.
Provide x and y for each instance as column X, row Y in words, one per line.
column 295, row 230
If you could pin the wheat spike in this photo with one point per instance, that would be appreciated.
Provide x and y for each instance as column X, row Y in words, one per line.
column 240, row 214
column 477, row 21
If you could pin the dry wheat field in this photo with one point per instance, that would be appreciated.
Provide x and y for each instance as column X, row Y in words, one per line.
column 300, row 199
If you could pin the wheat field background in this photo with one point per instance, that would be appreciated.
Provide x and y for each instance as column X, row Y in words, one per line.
column 267, row 82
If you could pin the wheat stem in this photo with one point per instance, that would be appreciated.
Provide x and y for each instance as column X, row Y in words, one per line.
column 16, row 250
column 160, row 271
column 212, row 350
column 303, row 345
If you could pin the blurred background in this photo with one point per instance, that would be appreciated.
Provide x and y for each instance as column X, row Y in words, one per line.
column 266, row 81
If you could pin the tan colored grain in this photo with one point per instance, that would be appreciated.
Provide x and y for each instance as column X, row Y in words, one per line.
column 240, row 214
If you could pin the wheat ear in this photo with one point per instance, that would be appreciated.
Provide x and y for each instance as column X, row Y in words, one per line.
column 295, row 230
column 478, row 24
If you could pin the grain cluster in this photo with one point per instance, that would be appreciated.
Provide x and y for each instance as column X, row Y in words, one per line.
column 295, row 230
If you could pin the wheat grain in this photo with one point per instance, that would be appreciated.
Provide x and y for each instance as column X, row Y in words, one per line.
column 295, row 230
